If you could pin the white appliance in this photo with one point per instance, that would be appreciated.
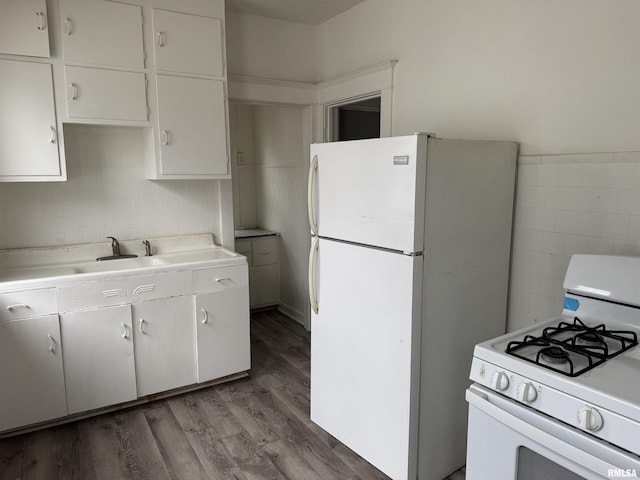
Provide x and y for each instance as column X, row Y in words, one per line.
column 561, row 400
column 408, row 269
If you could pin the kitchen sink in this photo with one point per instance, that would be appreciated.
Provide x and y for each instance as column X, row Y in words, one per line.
column 120, row 264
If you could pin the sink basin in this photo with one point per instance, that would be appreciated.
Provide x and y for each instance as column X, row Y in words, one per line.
column 120, row 264
column 201, row 255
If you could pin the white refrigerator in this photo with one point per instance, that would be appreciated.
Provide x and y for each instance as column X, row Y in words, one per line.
column 408, row 270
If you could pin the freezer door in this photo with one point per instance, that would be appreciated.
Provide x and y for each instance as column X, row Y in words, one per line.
column 365, row 352
column 370, row 191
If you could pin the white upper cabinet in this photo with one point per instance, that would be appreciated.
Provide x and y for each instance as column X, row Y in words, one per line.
column 95, row 93
column 191, row 126
column 102, row 33
column 28, row 132
column 187, row 43
column 24, row 28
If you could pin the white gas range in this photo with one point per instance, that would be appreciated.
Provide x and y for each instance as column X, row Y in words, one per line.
column 561, row 400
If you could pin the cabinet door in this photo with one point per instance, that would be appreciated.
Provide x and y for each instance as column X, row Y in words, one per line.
column 264, row 285
column 106, row 94
column 164, row 343
column 222, row 320
column 187, row 43
column 191, row 126
column 23, row 28
column 102, row 33
column 28, row 132
column 31, row 372
column 98, row 358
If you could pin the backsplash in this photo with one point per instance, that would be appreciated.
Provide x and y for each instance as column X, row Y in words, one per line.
column 106, row 194
column 566, row 204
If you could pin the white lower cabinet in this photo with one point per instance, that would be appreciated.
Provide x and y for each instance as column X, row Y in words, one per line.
column 222, row 320
column 31, row 372
column 164, row 343
column 264, row 269
column 98, row 357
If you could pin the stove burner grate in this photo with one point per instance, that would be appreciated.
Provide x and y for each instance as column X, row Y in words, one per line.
column 566, row 347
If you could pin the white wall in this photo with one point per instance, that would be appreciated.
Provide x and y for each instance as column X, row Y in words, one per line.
column 268, row 48
column 560, row 77
column 106, row 194
column 270, row 189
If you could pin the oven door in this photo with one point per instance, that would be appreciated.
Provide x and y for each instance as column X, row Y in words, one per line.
column 507, row 440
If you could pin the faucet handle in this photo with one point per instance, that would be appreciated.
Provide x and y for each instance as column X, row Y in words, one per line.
column 147, row 248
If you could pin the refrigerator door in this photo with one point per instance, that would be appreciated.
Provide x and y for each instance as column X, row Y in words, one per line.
column 365, row 352
column 370, row 191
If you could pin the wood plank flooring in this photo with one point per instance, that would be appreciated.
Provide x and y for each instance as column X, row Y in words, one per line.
column 250, row 429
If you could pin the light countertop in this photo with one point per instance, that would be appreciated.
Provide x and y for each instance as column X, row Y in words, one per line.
column 253, row 232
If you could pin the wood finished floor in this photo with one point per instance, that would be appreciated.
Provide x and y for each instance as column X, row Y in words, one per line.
column 249, row 429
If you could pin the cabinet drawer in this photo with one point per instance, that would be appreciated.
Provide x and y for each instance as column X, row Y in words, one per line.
column 28, row 303
column 221, row 278
column 106, row 94
column 124, row 290
column 243, row 247
column 265, row 250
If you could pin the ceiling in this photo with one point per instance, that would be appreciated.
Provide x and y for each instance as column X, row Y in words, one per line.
column 311, row 12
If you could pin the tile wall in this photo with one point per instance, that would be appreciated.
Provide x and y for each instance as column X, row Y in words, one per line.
column 566, row 204
column 106, row 194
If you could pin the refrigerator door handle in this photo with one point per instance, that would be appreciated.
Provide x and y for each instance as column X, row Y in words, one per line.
column 312, row 170
column 312, row 266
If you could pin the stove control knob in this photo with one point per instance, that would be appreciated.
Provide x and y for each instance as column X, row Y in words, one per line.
column 589, row 419
column 499, row 381
column 526, row 392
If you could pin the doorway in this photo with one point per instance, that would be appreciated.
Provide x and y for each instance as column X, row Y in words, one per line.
column 355, row 120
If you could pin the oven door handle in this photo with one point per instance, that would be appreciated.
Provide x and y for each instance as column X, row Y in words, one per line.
column 575, row 455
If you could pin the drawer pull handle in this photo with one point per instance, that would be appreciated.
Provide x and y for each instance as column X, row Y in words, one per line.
column 205, row 316
column 223, row 279
column 52, row 135
column 265, row 252
column 141, row 326
column 124, row 330
column 165, row 137
column 52, row 344
column 74, row 91
column 15, row 306
column 42, row 24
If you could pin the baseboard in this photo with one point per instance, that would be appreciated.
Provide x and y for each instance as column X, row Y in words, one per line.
column 294, row 314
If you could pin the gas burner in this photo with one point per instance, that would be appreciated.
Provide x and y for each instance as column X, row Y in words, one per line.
column 572, row 348
column 553, row 355
column 589, row 339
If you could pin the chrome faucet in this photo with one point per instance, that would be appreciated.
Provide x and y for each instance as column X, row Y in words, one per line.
column 115, row 246
column 147, row 248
